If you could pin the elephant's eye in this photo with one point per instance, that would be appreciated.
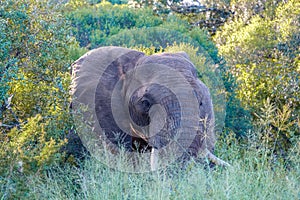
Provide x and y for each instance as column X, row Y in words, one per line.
column 146, row 105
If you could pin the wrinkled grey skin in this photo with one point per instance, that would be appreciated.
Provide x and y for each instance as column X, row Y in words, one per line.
column 150, row 115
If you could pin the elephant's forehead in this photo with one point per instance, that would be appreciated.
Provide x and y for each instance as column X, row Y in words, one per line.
column 140, row 91
column 179, row 63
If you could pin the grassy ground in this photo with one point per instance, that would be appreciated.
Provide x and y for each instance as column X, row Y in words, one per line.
column 251, row 176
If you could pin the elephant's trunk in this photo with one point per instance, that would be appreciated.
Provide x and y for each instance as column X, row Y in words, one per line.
column 171, row 122
column 171, row 129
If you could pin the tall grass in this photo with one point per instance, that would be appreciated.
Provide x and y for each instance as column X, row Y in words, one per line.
column 257, row 172
column 251, row 176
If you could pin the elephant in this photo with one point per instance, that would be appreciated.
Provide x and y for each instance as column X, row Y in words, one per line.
column 151, row 104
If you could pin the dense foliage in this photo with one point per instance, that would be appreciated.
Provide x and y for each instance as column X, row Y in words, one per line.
column 263, row 54
column 34, row 66
column 208, row 15
column 93, row 24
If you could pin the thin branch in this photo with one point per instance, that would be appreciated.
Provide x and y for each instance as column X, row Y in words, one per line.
column 5, row 125
column 7, row 106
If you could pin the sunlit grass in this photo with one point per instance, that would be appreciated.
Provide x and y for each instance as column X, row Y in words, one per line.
column 250, row 177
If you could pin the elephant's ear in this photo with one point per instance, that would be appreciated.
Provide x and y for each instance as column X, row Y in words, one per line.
column 94, row 77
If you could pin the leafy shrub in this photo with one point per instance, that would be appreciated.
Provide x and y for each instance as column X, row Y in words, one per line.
column 276, row 129
column 263, row 55
column 157, row 37
column 171, row 31
column 10, row 20
column 34, row 83
column 93, row 24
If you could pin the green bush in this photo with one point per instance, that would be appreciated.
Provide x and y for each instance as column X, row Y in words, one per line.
column 34, row 83
column 263, row 55
column 12, row 34
column 157, row 37
column 93, row 24
column 171, row 31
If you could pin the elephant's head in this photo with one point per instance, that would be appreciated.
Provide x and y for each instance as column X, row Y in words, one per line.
column 148, row 103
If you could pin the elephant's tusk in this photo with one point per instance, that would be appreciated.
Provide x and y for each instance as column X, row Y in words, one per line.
column 154, row 159
column 138, row 134
column 215, row 159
